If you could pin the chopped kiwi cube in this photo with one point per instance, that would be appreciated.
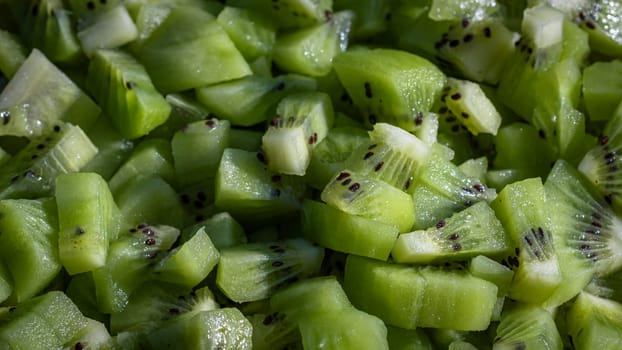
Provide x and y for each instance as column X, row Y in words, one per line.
column 49, row 27
column 468, row 102
column 125, row 91
column 269, row 266
column 389, row 85
column 527, row 327
column 189, row 263
column 94, row 335
column 109, row 29
column 88, row 219
column 302, row 120
column 392, row 155
column 204, row 330
column 29, row 236
column 12, row 53
column 63, row 149
column 251, row 100
column 211, row 136
column 289, row 13
column 47, row 321
column 39, row 96
column 594, row 323
column 357, row 234
column 250, row 192
column 148, row 157
column 155, row 302
column 364, row 196
column 251, row 33
column 223, row 230
column 189, row 39
column 488, row 269
column 537, row 268
column 310, row 50
column 472, row 231
column 130, row 261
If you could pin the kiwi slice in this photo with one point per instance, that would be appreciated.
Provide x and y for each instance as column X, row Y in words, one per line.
column 594, row 323
column 302, row 121
column 268, row 266
column 393, row 156
column 601, row 163
column 155, row 302
column 526, row 327
column 537, row 269
column 472, row 231
column 585, row 230
column 467, row 101
column 361, row 195
column 29, row 235
column 130, row 260
column 389, row 85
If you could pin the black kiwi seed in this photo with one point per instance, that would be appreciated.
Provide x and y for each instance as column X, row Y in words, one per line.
column 79, row 231
column 56, row 128
column 368, row 155
column 372, row 119
column 456, row 96
column 454, row 236
column 346, row 182
column 90, row 5
column 6, row 117
column 457, row 247
column 464, row 115
column 78, row 346
column 342, row 175
column 328, row 14
column 467, row 38
column 378, row 166
column 372, row 146
column 408, row 181
column 603, row 139
column 148, row 232
column 465, row 22
column 487, row 32
column 210, row 123
column 354, row 187
column 185, row 198
column 267, row 320
column 440, row 224
column 261, row 157
column 454, row 43
column 277, row 263
column 590, row 25
column 368, row 92
column 142, row 226
column 150, row 241
column 201, row 196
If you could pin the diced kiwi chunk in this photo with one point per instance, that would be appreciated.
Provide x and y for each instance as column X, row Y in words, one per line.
column 125, row 91
column 156, row 302
column 537, row 268
column 63, row 149
column 584, row 231
column 204, row 330
column 408, row 339
column 112, row 148
column 526, row 327
column 310, row 50
column 361, row 195
column 392, row 155
column 12, row 53
column 29, row 236
column 47, row 321
column 108, row 29
column 268, row 266
column 223, row 230
column 290, row 13
column 302, row 120
column 88, row 219
column 389, row 85
column 39, row 96
column 195, row 37
column 129, row 263
column 94, row 335
column 601, row 89
column 247, row 190
column 250, row 100
column 472, row 107
column 211, row 137
column 472, row 231
column 594, row 323
column 442, row 189
column 424, row 297
column 189, row 263
column 149, row 157
column 252, row 34
column 356, row 234
column 273, row 331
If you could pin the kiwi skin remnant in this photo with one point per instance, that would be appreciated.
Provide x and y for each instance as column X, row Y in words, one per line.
column 305, row 174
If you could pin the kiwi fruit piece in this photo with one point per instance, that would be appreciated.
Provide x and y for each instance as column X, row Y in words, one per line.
column 269, row 266
column 593, row 322
column 467, row 233
column 527, row 327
